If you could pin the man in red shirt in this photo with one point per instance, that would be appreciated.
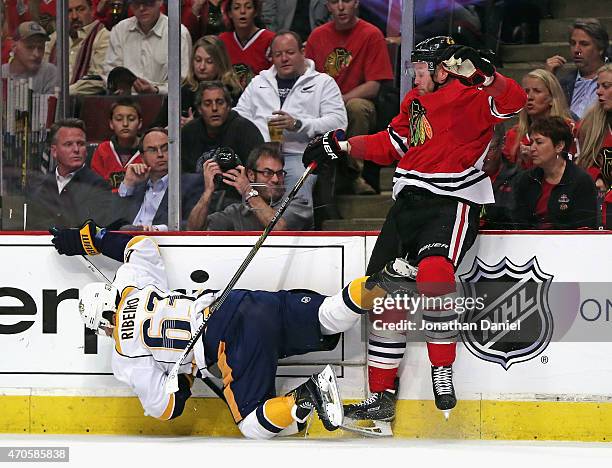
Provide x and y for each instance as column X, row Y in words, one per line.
column 354, row 53
column 440, row 140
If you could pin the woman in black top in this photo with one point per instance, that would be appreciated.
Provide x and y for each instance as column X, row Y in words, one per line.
column 555, row 194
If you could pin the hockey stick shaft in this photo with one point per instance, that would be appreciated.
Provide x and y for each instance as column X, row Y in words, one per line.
column 172, row 380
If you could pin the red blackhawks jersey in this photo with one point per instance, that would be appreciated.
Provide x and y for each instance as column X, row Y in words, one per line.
column 441, row 139
column 107, row 163
column 250, row 59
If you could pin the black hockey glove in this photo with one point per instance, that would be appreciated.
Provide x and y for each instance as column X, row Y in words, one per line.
column 468, row 66
column 398, row 276
column 76, row 241
column 324, row 150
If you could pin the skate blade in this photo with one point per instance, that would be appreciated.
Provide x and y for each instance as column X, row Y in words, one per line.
column 368, row 427
column 331, row 396
column 446, row 414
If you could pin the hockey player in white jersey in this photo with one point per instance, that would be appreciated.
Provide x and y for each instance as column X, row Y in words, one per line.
column 244, row 338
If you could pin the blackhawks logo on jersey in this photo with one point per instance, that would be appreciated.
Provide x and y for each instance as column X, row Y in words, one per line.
column 245, row 74
column 420, row 128
column 337, row 61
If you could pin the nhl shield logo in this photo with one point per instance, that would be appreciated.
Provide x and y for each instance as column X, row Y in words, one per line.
column 516, row 323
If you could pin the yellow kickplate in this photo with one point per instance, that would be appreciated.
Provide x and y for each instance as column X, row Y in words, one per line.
column 15, row 414
column 471, row 419
column 548, row 420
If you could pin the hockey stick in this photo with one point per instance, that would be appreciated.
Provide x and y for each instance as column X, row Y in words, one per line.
column 172, row 380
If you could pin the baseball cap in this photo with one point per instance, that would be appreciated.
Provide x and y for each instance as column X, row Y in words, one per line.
column 29, row 29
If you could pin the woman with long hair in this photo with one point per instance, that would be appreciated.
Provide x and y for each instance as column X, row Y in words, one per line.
column 545, row 98
column 246, row 40
column 595, row 133
column 209, row 62
column 555, row 194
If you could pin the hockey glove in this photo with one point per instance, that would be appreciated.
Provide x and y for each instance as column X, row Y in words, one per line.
column 468, row 66
column 398, row 276
column 77, row 241
column 324, row 150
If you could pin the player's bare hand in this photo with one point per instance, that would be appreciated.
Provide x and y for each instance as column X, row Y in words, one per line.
column 142, row 86
column 237, row 178
column 282, row 120
column 554, row 62
column 209, row 169
column 136, row 173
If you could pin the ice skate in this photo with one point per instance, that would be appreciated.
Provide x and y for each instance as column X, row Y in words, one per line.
column 372, row 416
column 444, row 392
column 320, row 392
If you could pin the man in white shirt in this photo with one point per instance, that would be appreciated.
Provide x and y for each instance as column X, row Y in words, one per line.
column 87, row 47
column 300, row 101
column 140, row 44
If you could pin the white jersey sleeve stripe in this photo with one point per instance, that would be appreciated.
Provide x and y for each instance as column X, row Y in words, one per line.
column 496, row 113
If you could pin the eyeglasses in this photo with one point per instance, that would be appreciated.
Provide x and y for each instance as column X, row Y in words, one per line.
column 268, row 173
column 154, row 150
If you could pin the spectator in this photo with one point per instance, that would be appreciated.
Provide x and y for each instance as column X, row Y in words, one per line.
column 544, row 99
column 246, row 40
column 301, row 16
column 72, row 193
column 303, row 102
column 503, row 174
column 144, row 190
column 218, row 126
column 28, row 52
column 112, row 157
column 203, row 17
column 87, row 47
column 141, row 45
column 354, row 53
column 588, row 46
column 261, row 186
column 112, row 12
column 595, row 133
column 555, row 194
column 7, row 43
column 209, row 62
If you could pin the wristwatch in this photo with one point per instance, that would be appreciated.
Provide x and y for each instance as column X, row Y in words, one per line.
column 297, row 125
column 250, row 194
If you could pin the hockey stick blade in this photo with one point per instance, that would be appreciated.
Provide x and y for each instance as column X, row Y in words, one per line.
column 171, row 384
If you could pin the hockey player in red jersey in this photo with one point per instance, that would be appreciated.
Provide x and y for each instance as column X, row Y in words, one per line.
column 440, row 140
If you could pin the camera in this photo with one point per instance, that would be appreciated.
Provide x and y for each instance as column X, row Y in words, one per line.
column 225, row 158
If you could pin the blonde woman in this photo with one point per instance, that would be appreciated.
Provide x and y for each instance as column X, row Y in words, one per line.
column 595, row 133
column 545, row 98
column 209, row 62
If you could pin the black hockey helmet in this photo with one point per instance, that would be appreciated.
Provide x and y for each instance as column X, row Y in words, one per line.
column 431, row 50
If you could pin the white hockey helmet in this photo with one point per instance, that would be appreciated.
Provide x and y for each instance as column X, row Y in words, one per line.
column 97, row 305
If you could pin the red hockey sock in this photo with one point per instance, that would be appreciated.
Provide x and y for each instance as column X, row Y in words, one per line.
column 381, row 379
column 441, row 354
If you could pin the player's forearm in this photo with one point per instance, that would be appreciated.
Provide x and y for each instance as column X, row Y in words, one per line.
column 375, row 148
column 199, row 214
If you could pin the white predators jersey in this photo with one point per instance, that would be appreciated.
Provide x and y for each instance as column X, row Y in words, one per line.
column 152, row 327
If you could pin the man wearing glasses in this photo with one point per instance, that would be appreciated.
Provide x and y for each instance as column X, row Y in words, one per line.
column 143, row 193
column 262, row 187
